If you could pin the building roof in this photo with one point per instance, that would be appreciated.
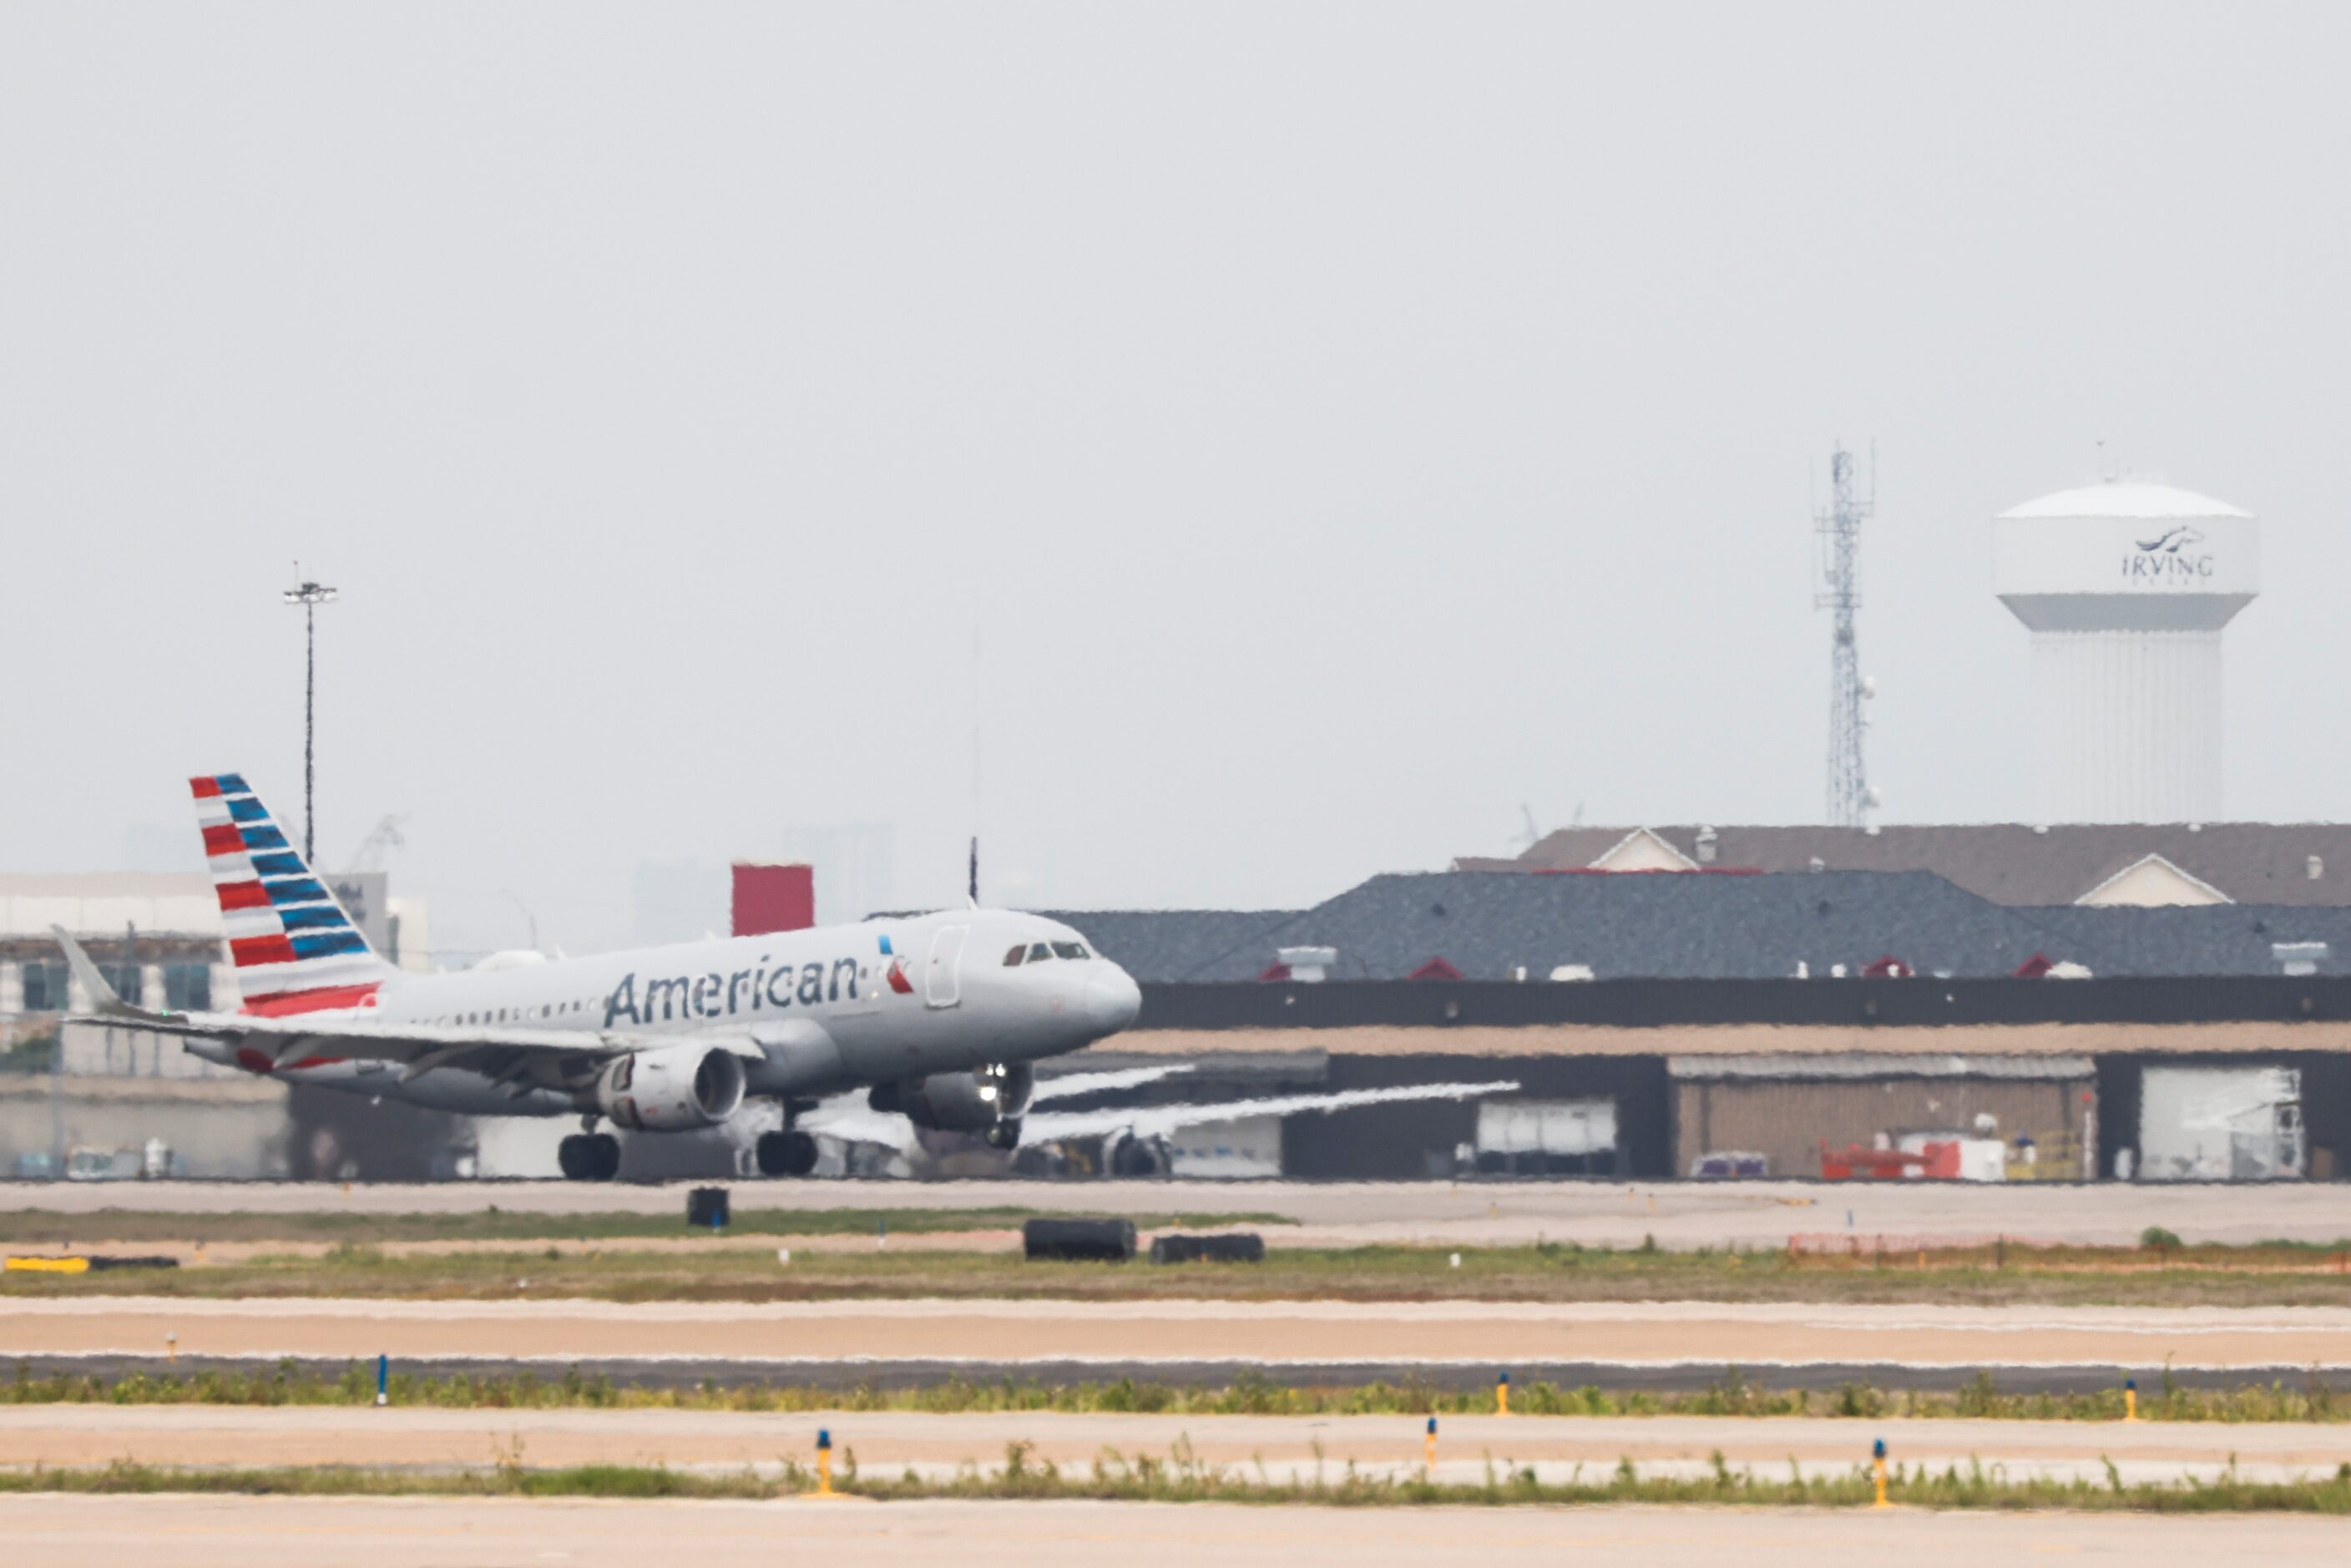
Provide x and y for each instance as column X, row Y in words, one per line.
column 1168, row 945
column 1489, row 926
column 1483, row 925
column 2007, row 863
column 2212, row 939
column 2125, row 499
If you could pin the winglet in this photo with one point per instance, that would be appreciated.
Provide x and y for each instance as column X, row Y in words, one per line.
column 104, row 1003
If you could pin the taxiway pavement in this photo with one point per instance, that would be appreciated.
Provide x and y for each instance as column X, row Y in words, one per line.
column 1005, row 1335
column 1678, row 1215
column 237, row 1532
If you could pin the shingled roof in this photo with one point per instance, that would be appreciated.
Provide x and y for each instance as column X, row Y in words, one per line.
column 1489, row 926
column 1164, row 945
column 2214, row 939
column 2007, row 863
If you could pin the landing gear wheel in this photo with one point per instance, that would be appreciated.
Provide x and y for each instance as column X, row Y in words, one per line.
column 786, row 1154
column 1004, row 1133
column 588, row 1156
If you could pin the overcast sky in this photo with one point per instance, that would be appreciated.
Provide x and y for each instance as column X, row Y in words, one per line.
column 1333, row 425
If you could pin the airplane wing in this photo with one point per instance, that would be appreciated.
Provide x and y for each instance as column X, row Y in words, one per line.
column 848, row 1117
column 1071, row 1085
column 526, row 1057
column 1159, row 1120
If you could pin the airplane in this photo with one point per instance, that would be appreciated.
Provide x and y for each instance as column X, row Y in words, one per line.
column 864, row 1032
column 938, row 1016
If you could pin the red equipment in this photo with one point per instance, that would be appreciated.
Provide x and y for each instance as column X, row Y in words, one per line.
column 1936, row 1162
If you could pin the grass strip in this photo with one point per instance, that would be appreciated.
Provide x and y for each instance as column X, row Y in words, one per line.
column 34, row 1227
column 355, row 1268
column 1180, row 1477
column 1732, row 1394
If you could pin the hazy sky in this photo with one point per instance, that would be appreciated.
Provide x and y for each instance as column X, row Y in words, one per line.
column 1336, row 424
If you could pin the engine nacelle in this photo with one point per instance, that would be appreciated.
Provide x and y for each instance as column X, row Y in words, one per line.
column 671, row 1089
column 974, row 1102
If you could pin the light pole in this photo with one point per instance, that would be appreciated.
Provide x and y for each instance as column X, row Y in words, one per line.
column 309, row 595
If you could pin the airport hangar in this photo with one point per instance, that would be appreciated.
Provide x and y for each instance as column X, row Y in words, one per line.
column 1655, row 1020
column 1645, row 1078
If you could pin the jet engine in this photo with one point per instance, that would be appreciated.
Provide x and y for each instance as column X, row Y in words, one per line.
column 988, row 1100
column 671, row 1089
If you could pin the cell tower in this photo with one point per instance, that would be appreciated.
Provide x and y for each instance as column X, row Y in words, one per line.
column 1839, row 529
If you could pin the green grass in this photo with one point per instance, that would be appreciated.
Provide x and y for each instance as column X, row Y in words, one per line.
column 1733, row 1394
column 1181, row 1477
column 35, row 1227
column 2263, row 1276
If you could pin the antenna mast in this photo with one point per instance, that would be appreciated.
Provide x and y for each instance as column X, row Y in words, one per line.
column 1839, row 530
column 309, row 594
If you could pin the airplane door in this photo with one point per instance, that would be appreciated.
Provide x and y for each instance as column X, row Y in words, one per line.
column 943, row 981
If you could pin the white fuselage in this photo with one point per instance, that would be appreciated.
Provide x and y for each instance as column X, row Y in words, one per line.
column 829, row 1008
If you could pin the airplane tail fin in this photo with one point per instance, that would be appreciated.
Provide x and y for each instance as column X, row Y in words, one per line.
column 295, row 949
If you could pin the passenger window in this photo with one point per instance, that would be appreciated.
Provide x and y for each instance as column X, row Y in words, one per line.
column 1071, row 949
column 1012, row 959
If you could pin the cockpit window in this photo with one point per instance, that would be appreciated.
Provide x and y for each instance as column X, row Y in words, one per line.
column 1012, row 959
column 1040, row 952
column 1071, row 949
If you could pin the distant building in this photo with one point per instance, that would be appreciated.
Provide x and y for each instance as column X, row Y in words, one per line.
column 2143, row 864
column 157, row 937
column 2151, row 1078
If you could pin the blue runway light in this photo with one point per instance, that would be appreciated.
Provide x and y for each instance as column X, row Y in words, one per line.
column 1879, row 1451
column 824, row 1437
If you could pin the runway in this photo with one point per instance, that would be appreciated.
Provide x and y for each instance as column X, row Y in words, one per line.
column 1678, row 1215
column 236, row 1532
column 1001, row 1336
column 1280, row 1448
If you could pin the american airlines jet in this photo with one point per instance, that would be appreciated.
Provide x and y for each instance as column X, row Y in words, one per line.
column 940, row 1016
column 937, row 1019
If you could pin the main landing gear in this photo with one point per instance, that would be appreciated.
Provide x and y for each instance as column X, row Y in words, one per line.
column 786, row 1154
column 590, row 1156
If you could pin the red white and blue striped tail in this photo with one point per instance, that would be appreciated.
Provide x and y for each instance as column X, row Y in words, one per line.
column 296, row 951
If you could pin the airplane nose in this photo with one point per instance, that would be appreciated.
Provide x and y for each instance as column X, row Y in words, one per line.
column 1112, row 999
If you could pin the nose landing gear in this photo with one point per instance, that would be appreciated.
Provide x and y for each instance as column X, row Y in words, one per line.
column 1004, row 1133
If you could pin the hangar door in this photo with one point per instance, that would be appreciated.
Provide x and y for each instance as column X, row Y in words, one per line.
column 1547, row 1137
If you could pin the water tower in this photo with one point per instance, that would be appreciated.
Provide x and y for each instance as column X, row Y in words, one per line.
column 2125, row 587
